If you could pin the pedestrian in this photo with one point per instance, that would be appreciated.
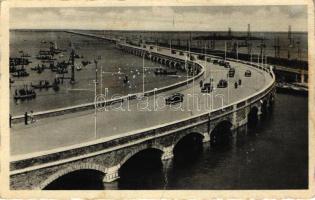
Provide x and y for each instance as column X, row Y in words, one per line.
column 25, row 118
column 201, row 83
column 32, row 117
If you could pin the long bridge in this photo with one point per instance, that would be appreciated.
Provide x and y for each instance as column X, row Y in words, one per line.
column 64, row 141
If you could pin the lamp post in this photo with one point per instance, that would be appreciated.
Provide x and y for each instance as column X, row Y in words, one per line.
column 95, row 113
column 225, row 51
column 95, row 61
column 143, row 72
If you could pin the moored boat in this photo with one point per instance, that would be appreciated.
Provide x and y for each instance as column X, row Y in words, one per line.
column 161, row 71
column 20, row 74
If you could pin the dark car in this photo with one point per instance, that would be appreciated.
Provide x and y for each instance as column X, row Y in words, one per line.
column 248, row 73
column 207, row 87
column 224, row 64
column 231, row 72
column 201, row 57
column 222, row 84
column 174, row 98
column 215, row 62
column 173, row 51
column 221, row 63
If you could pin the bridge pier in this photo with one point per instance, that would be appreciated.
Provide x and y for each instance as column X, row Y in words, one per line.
column 111, row 174
column 206, row 137
column 111, row 186
column 259, row 113
column 167, row 153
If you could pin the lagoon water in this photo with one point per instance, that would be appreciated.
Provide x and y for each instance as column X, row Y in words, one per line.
column 273, row 155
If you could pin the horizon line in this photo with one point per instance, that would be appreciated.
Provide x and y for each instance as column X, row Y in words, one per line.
column 141, row 30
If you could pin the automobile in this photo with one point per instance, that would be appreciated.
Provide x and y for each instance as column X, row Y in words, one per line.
column 173, row 52
column 151, row 47
column 224, row 64
column 174, row 98
column 201, row 57
column 215, row 62
column 181, row 53
column 222, row 83
column 221, row 63
column 231, row 72
column 248, row 73
column 208, row 59
column 207, row 88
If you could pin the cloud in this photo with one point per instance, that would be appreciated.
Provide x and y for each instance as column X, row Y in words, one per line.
column 261, row 18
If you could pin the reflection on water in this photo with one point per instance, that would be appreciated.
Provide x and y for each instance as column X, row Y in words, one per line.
column 273, row 155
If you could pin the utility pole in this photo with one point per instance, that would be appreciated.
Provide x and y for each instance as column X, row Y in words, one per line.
column 72, row 79
column 299, row 50
column 96, row 69
column 236, row 49
column 143, row 73
column 224, row 50
column 290, row 35
column 277, row 47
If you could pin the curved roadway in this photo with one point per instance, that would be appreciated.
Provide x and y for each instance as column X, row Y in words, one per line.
column 75, row 128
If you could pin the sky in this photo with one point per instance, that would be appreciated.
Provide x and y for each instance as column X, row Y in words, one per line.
column 190, row 18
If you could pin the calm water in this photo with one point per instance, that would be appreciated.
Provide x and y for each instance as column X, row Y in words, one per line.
column 274, row 155
column 114, row 64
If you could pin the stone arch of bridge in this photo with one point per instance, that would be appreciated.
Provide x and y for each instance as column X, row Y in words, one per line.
column 183, row 136
column 264, row 106
column 221, row 133
column 252, row 116
column 139, row 150
column 61, row 173
column 167, row 63
column 271, row 99
column 172, row 64
column 177, row 65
